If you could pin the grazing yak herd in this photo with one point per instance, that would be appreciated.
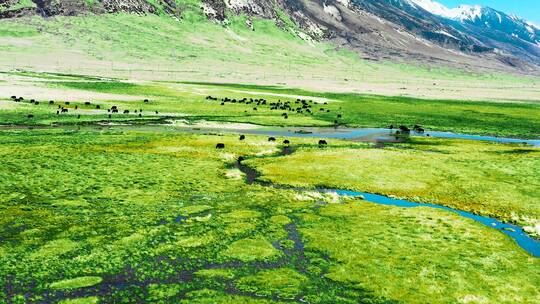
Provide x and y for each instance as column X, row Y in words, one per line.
column 405, row 130
column 63, row 109
column 299, row 106
column 286, row 142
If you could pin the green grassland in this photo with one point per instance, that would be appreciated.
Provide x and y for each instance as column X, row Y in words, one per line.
column 188, row 100
column 121, row 216
column 496, row 180
column 191, row 48
column 92, row 212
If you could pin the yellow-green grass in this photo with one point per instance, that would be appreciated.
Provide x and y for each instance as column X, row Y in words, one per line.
column 76, row 283
column 286, row 283
column 421, row 255
column 156, row 217
column 88, row 300
column 492, row 179
column 251, row 249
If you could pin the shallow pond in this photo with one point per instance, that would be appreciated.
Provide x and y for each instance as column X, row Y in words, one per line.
column 377, row 134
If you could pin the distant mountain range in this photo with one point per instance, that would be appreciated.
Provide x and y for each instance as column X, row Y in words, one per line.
column 492, row 27
column 402, row 30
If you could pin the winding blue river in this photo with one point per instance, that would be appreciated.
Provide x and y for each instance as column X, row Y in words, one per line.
column 526, row 242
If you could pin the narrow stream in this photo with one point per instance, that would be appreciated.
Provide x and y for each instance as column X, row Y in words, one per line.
column 526, row 242
column 529, row 244
column 363, row 134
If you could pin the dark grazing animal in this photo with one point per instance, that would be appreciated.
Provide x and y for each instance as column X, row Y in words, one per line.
column 286, row 142
column 30, row 116
column 146, row 101
column 323, row 142
column 126, row 111
column 87, row 103
column 404, row 129
column 64, row 110
column 242, row 137
column 51, row 101
column 271, row 139
column 220, row 146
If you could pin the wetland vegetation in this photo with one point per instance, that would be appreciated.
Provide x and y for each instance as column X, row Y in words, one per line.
column 96, row 212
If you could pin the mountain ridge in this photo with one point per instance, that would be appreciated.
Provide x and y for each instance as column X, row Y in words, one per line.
column 397, row 30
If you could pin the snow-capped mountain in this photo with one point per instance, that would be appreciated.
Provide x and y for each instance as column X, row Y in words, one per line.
column 484, row 17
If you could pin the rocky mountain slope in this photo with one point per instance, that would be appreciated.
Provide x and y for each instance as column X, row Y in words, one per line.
column 398, row 30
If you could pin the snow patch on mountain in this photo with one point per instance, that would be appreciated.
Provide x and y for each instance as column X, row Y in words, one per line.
column 533, row 26
column 462, row 12
column 431, row 6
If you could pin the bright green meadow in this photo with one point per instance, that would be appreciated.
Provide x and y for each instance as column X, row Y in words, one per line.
column 140, row 206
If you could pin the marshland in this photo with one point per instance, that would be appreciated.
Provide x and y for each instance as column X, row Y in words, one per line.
column 137, row 204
